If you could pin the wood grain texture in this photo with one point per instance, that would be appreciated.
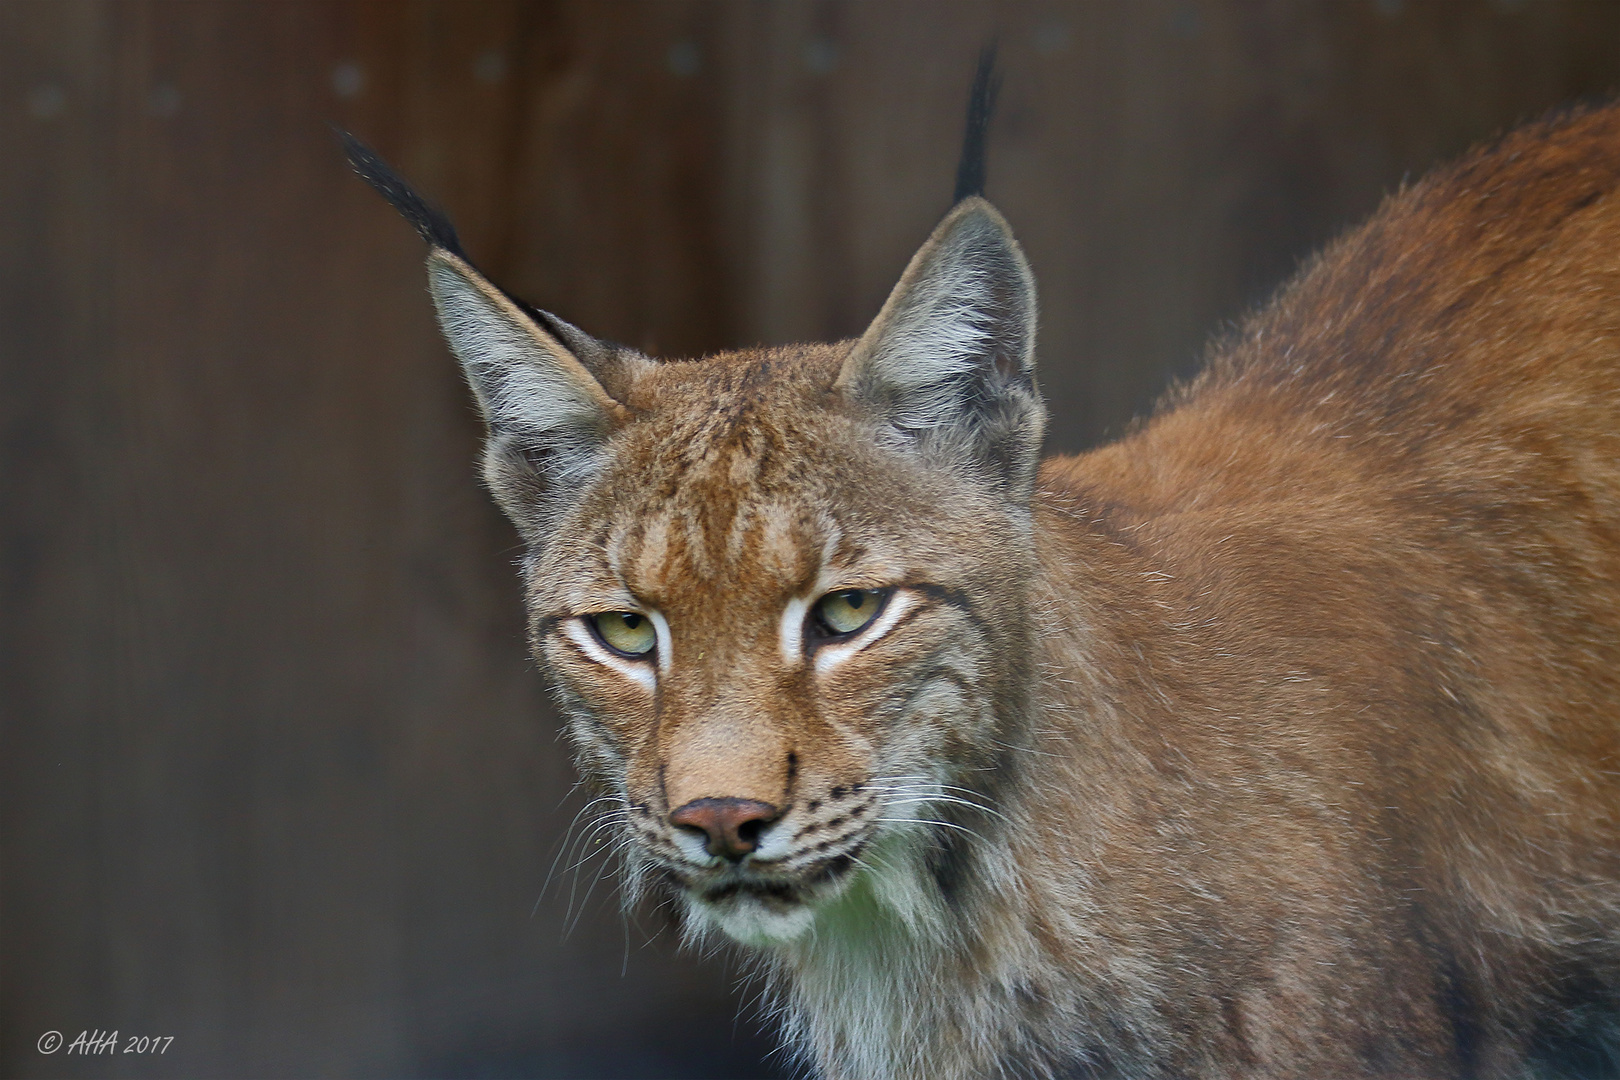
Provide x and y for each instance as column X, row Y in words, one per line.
column 277, row 777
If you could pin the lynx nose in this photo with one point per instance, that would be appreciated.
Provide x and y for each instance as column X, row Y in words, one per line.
column 732, row 826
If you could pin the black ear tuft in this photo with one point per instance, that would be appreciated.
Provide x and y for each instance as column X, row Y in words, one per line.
column 970, row 171
column 427, row 219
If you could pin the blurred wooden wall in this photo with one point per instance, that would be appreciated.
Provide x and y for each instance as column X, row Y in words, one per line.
column 275, row 775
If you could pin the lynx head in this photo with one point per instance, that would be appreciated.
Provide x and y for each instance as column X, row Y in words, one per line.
column 780, row 592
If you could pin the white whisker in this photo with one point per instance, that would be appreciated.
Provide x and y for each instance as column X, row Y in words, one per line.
column 929, row 821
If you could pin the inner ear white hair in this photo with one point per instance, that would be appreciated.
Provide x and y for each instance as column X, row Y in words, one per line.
column 949, row 363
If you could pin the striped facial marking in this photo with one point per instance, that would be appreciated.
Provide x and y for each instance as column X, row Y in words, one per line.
column 666, row 645
column 792, row 630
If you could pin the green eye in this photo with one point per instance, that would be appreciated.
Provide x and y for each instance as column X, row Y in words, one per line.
column 847, row 610
column 625, row 632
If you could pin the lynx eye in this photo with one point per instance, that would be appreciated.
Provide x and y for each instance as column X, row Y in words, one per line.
column 627, row 633
column 847, row 610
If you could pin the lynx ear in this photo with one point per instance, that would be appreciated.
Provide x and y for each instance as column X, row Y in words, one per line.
column 949, row 363
column 548, row 415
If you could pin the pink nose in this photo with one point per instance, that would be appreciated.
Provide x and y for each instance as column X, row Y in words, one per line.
column 731, row 826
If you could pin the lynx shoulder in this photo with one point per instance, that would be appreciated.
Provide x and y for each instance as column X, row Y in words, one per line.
column 1280, row 738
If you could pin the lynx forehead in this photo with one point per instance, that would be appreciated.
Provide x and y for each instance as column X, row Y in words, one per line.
column 1279, row 738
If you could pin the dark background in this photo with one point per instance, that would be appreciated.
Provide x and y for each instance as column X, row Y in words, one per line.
column 276, row 777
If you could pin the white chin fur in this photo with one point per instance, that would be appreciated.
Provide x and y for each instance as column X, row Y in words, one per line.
column 751, row 921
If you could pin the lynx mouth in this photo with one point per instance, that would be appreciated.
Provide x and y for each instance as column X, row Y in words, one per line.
column 776, row 893
column 755, row 907
column 771, row 894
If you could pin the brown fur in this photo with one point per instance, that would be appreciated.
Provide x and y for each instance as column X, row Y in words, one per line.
column 1279, row 738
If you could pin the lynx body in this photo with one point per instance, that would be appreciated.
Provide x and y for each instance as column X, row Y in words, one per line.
column 1279, row 738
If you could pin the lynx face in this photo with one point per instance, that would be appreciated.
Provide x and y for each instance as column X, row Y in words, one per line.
column 780, row 593
column 798, row 650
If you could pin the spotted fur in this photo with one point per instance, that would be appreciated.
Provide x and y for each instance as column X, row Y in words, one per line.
column 1280, row 738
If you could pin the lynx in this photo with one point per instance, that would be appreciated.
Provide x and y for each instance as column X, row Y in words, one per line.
column 1280, row 738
